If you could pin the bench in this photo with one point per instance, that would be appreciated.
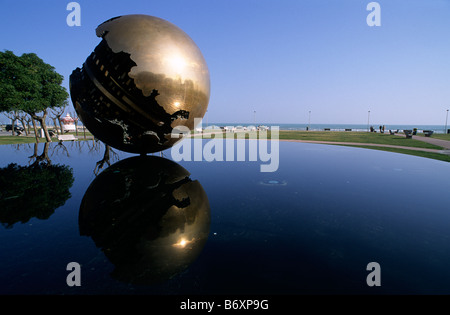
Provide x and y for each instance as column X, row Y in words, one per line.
column 67, row 138
column 428, row 133
column 393, row 132
column 408, row 133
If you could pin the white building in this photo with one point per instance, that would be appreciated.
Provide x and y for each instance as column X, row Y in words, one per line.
column 68, row 123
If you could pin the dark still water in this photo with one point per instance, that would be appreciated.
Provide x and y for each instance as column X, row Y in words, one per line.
column 153, row 226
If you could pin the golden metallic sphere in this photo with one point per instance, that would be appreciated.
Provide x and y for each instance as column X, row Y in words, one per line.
column 148, row 217
column 145, row 78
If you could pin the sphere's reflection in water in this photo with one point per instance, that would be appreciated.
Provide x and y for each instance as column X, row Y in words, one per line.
column 148, row 217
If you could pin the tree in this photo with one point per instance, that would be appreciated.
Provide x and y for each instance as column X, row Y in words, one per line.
column 22, row 118
column 29, row 84
column 28, row 120
column 46, row 90
column 56, row 116
column 13, row 116
column 13, row 85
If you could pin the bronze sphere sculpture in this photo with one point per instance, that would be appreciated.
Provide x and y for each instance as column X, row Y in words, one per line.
column 148, row 216
column 144, row 78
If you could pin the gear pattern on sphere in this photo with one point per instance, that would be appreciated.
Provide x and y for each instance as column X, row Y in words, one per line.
column 144, row 78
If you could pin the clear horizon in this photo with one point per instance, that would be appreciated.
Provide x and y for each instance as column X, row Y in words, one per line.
column 289, row 61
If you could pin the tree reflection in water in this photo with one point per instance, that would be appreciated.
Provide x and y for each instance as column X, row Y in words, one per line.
column 33, row 191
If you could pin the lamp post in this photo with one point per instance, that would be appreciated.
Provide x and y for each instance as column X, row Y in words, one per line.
column 254, row 117
column 446, row 119
column 309, row 120
column 368, row 119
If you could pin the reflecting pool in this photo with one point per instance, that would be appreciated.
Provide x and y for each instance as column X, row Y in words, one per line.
column 150, row 225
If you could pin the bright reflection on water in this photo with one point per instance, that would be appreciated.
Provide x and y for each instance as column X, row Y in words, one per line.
column 159, row 227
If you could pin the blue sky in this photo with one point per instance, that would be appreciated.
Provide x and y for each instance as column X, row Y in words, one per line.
column 280, row 58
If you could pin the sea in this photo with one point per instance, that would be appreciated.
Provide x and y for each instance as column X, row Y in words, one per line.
column 339, row 127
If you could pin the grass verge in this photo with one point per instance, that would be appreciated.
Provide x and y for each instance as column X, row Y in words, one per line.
column 341, row 136
column 23, row 139
column 429, row 155
column 356, row 137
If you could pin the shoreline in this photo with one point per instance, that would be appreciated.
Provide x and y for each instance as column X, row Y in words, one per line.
column 441, row 129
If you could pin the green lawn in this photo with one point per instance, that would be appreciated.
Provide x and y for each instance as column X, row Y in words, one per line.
column 332, row 136
column 358, row 137
column 430, row 155
column 32, row 139
column 348, row 136
column 17, row 140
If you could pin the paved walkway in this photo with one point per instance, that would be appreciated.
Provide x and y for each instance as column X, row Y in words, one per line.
column 442, row 143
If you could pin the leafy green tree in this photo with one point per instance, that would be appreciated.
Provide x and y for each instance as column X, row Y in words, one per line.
column 46, row 90
column 13, row 84
column 30, row 85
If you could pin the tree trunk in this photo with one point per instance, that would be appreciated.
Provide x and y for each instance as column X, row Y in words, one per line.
column 35, row 129
column 22, row 120
column 43, row 157
column 75, row 121
column 43, row 125
column 35, row 151
column 60, row 124
column 56, row 127
column 28, row 125
column 13, row 116
column 13, row 125
column 34, row 156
